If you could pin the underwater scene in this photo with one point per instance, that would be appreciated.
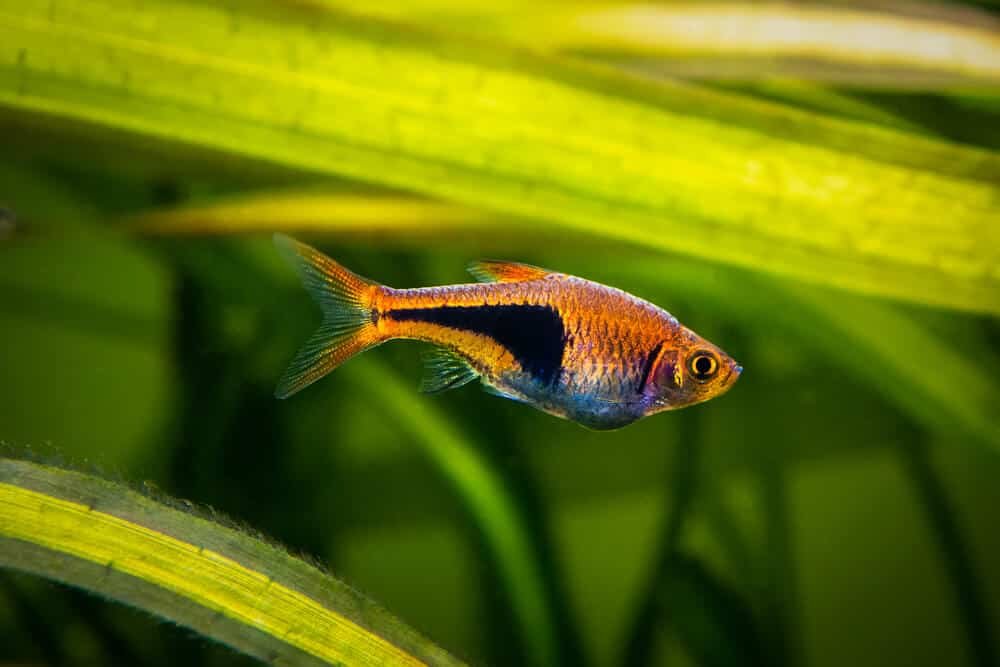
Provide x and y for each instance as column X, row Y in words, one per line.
column 437, row 332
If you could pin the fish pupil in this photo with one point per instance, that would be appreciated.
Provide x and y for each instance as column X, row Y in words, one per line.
column 703, row 366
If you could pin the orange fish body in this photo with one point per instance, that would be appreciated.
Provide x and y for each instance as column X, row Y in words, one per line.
column 571, row 347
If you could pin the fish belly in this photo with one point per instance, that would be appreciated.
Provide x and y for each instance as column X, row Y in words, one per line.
column 593, row 409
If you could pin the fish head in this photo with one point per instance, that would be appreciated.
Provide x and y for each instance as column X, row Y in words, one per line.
column 689, row 370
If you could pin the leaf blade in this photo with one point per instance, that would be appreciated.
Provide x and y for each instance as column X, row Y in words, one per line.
column 678, row 168
column 274, row 600
column 736, row 40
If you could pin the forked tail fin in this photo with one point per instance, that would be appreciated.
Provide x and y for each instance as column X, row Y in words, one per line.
column 347, row 327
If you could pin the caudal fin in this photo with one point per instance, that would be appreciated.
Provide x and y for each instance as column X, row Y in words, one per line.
column 347, row 327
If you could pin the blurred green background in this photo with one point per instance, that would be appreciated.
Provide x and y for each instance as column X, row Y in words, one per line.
column 838, row 506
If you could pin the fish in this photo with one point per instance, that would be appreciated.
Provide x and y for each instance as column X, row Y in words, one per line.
column 573, row 348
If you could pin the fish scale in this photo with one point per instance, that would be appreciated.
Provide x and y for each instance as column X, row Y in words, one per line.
column 565, row 345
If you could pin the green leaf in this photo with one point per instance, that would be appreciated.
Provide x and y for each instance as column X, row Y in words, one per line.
column 671, row 166
column 713, row 622
column 489, row 502
column 317, row 211
column 956, row 556
column 744, row 40
column 227, row 585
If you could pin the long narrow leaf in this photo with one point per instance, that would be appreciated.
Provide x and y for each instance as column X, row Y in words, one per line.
column 893, row 45
column 671, row 166
column 318, row 212
column 956, row 557
column 233, row 587
column 489, row 503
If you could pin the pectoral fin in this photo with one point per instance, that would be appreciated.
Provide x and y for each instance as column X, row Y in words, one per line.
column 444, row 370
column 491, row 271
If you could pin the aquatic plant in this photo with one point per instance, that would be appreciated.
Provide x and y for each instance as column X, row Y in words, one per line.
column 824, row 207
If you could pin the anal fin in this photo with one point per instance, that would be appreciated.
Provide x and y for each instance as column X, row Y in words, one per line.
column 490, row 389
column 445, row 369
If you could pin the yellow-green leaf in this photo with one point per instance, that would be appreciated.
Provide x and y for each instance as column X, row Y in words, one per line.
column 486, row 499
column 671, row 166
column 893, row 45
column 230, row 586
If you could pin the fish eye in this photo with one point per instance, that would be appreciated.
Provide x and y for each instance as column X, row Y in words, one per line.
column 703, row 366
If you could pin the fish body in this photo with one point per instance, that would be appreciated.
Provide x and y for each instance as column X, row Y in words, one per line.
column 568, row 346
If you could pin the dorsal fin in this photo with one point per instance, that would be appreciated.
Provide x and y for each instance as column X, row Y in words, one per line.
column 495, row 271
